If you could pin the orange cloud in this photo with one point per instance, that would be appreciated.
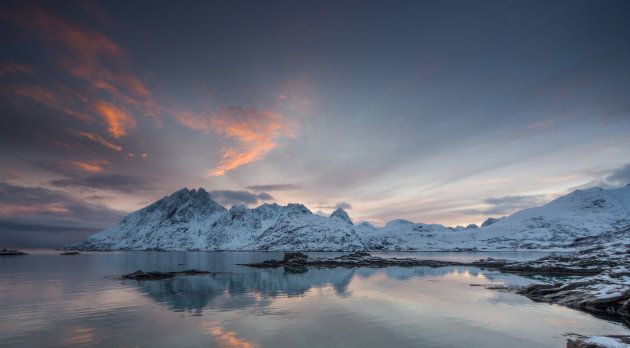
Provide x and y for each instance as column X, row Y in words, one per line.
column 96, row 138
column 91, row 166
column 112, row 90
column 192, row 120
column 13, row 209
column 254, row 132
column 52, row 99
column 15, row 68
column 118, row 121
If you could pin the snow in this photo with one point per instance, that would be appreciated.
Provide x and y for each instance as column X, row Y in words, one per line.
column 604, row 341
column 190, row 220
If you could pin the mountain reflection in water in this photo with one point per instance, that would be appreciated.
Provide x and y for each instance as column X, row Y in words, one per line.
column 254, row 287
column 52, row 300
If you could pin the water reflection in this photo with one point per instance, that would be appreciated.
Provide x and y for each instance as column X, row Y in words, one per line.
column 194, row 293
column 59, row 301
column 227, row 339
column 255, row 287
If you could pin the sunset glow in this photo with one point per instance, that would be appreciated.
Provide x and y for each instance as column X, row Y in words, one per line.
column 423, row 111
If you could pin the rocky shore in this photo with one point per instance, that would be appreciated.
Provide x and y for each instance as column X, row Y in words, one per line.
column 600, row 282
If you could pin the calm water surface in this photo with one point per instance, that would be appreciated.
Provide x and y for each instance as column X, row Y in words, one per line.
column 52, row 300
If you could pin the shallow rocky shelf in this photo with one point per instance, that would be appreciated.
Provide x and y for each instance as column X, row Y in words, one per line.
column 140, row 275
column 70, row 253
column 362, row 259
column 612, row 341
column 7, row 252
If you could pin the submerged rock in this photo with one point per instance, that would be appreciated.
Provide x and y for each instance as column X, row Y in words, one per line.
column 70, row 253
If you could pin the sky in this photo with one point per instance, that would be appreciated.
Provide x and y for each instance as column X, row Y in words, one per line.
column 432, row 111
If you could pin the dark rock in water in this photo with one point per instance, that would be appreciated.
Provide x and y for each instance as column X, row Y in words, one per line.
column 70, row 253
column 6, row 252
column 295, row 257
column 140, row 275
column 357, row 259
column 359, row 254
column 599, row 342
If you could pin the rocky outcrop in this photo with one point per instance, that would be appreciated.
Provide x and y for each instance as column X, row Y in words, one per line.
column 7, row 252
column 363, row 259
column 612, row 341
column 140, row 275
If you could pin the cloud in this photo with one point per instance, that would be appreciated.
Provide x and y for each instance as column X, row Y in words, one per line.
column 41, row 217
column 508, row 205
column 90, row 166
column 119, row 121
column 114, row 182
column 273, row 187
column 343, row 205
column 53, row 98
column 617, row 177
column 16, row 68
column 230, row 198
column 251, row 132
column 96, row 138
column 109, row 89
column 254, row 132
column 620, row 176
column 340, row 205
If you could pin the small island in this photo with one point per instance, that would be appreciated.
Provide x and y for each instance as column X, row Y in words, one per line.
column 7, row 252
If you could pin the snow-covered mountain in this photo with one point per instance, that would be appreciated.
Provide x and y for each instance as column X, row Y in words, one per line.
column 190, row 220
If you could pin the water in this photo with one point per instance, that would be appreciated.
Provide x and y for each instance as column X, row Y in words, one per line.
column 52, row 300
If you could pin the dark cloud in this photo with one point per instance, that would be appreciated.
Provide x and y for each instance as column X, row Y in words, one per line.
column 39, row 233
column 20, row 195
column 620, row 176
column 508, row 205
column 340, row 205
column 343, row 205
column 276, row 187
column 114, row 182
column 40, row 217
column 229, row 198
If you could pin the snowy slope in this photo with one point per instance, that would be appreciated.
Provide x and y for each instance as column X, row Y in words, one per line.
column 190, row 220
column 580, row 214
column 299, row 229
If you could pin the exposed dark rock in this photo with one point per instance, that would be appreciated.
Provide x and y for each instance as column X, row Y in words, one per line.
column 599, row 342
column 7, row 252
column 70, row 253
column 582, row 296
column 294, row 257
column 357, row 259
column 140, row 275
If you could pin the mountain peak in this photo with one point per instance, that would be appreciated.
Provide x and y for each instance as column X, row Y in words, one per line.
column 296, row 208
column 340, row 213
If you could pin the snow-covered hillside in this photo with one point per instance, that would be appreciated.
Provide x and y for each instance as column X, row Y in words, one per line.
column 190, row 220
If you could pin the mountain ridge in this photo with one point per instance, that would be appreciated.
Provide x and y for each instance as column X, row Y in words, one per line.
column 191, row 220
